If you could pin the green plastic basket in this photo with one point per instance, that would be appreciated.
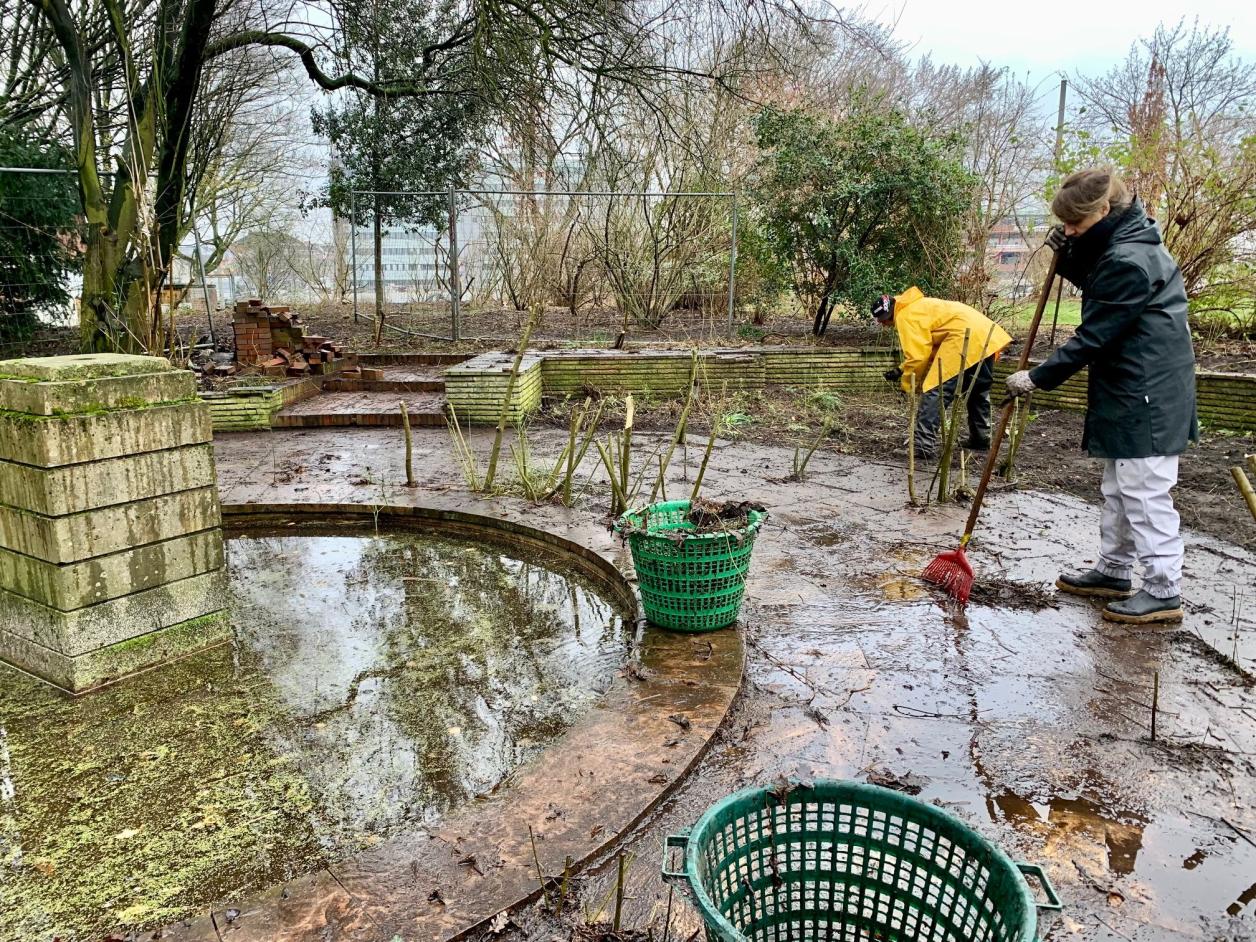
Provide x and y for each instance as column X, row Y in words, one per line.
column 694, row 583
column 842, row 861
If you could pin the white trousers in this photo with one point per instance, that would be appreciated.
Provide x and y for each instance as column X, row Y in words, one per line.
column 1140, row 523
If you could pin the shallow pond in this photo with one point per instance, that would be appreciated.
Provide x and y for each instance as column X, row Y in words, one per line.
column 375, row 682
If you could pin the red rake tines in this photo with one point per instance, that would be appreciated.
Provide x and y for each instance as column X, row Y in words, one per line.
column 952, row 571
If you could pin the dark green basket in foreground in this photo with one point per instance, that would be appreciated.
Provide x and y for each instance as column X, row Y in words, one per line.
column 842, row 861
column 688, row 581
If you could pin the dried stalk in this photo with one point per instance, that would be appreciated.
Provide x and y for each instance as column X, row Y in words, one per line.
column 463, row 453
column 800, row 468
column 405, row 425
column 540, row 875
column 697, row 484
column 952, row 425
column 617, row 496
column 1245, row 488
column 491, row 473
column 679, row 435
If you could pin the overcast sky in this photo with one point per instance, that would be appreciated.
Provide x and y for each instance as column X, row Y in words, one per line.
column 1043, row 38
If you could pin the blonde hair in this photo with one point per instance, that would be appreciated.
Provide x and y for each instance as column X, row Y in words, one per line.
column 1083, row 194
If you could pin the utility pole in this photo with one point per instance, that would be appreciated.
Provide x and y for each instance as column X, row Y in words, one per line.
column 1059, row 123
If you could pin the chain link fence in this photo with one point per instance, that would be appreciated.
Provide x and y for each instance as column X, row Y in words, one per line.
column 592, row 263
column 453, row 265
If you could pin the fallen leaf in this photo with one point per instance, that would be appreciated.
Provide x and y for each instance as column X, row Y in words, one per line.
column 501, row 922
column 680, row 720
column 658, row 779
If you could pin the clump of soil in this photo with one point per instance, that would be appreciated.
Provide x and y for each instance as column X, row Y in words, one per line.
column 716, row 517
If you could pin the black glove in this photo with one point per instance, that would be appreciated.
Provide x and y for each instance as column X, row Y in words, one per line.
column 893, row 376
column 1055, row 238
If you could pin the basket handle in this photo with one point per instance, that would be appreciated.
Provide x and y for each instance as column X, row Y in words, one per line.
column 670, row 842
column 1033, row 870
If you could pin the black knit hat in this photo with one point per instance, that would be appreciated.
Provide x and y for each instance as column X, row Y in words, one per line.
column 883, row 308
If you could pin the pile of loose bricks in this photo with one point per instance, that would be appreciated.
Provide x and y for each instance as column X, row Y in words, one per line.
column 270, row 336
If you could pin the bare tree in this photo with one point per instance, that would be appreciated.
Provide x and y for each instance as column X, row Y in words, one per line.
column 1177, row 114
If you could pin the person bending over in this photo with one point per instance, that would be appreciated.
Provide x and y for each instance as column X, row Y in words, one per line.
column 931, row 334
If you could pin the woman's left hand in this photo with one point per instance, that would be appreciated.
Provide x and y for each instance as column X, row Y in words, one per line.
column 1019, row 384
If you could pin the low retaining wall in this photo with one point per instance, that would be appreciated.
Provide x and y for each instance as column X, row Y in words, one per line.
column 476, row 389
column 248, row 408
column 1226, row 400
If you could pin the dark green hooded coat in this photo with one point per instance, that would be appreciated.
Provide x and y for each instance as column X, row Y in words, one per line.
column 1133, row 336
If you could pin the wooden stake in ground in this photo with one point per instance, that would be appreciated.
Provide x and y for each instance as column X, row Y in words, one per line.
column 491, row 472
column 1155, row 702
column 405, row 425
column 914, row 397
column 1245, row 485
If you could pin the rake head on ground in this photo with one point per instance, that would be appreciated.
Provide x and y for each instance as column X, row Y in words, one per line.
column 953, row 573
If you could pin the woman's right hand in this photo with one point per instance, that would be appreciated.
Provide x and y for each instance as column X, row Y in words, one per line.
column 1055, row 238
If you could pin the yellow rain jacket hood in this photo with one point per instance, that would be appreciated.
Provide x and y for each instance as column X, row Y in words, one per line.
column 931, row 332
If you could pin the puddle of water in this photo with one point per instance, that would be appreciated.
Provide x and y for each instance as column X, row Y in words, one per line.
column 375, row 682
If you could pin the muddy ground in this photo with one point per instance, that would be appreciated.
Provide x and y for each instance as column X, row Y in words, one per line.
column 1030, row 722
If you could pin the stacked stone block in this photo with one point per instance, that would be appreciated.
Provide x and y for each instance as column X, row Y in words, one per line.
column 111, row 552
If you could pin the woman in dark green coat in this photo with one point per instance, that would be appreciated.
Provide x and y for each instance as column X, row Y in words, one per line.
column 1140, row 411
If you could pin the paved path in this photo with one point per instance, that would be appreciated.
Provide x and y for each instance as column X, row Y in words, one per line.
column 1032, row 724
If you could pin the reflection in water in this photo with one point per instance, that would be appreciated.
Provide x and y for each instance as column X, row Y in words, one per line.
column 1074, row 821
column 374, row 682
column 428, row 669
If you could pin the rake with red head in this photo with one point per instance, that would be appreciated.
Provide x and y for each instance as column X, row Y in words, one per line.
column 952, row 570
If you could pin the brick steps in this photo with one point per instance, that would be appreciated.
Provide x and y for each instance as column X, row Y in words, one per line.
column 363, row 408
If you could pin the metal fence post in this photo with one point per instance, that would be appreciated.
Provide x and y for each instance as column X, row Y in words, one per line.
column 209, row 315
column 353, row 250
column 732, row 265
column 455, row 287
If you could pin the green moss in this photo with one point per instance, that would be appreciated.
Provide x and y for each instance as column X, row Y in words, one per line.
column 128, row 404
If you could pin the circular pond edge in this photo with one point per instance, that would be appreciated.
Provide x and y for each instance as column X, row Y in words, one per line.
column 577, row 799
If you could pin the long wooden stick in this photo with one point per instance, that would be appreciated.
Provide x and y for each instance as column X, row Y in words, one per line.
column 1245, row 488
column 992, row 458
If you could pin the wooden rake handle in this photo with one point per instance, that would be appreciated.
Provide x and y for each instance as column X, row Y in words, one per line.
column 992, row 457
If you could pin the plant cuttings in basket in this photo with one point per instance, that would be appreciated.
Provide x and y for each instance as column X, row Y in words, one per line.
column 708, row 516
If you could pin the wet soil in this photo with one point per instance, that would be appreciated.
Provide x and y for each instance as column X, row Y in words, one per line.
column 375, row 683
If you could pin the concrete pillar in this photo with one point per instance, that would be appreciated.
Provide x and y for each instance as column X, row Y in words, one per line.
column 111, row 554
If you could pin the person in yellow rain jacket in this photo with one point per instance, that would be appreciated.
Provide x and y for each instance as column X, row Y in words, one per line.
column 931, row 333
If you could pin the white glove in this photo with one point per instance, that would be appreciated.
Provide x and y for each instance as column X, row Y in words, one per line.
column 1019, row 384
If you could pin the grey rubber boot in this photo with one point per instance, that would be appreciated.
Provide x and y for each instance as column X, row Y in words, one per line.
column 1144, row 608
column 1094, row 584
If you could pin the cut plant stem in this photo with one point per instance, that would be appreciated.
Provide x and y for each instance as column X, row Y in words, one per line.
column 540, row 874
column 706, row 457
column 619, row 895
column 952, row 424
column 679, row 435
column 617, row 496
column 491, row 472
column 405, row 425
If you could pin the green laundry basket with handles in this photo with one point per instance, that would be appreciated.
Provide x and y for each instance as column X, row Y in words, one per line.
column 840, row 861
column 688, row 581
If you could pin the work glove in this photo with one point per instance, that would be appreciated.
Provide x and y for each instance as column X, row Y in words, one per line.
column 893, row 376
column 1055, row 238
column 1019, row 384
